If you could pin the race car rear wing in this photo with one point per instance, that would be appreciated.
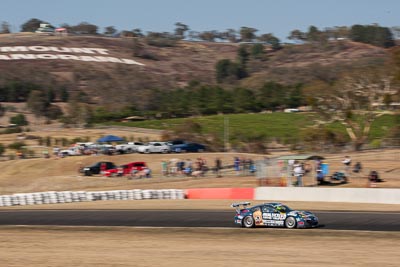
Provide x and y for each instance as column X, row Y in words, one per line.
column 240, row 204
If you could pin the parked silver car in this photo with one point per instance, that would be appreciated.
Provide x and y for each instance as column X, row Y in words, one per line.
column 129, row 147
column 154, row 147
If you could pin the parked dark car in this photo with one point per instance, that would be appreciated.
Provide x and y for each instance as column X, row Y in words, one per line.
column 188, row 147
column 97, row 168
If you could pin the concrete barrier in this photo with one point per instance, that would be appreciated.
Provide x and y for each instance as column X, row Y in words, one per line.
column 220, row 193
column 351, row 195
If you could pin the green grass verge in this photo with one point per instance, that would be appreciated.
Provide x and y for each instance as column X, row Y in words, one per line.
column 270, row 125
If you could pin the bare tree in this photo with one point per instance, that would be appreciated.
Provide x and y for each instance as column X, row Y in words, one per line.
column 180, row 30
column 353, row 100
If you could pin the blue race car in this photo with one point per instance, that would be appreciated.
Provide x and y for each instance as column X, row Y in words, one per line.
column 272, row 214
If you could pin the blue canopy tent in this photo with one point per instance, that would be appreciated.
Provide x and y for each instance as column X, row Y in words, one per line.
column 110, row 138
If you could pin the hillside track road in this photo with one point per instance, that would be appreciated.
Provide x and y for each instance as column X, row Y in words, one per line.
column 332, row 220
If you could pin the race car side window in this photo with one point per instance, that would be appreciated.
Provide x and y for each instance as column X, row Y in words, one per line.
column 280, row 209
column 267, row 209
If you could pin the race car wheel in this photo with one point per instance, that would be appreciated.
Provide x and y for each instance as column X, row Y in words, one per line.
column 290, row 222
column 248, row 222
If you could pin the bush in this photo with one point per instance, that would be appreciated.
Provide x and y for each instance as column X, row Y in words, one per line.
column 12, row 130
column 19, row 120
column 2, row 149
column 376, row 143
column 16, row 145
column 160, row 39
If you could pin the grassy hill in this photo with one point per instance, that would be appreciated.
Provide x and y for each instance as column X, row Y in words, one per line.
column 166, row 68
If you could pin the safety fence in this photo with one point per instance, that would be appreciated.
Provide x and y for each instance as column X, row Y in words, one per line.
column 54, row 197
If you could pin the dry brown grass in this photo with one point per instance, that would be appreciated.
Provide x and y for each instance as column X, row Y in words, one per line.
column 32, row 175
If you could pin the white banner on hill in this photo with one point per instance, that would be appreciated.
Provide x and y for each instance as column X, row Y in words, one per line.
column 48, row 53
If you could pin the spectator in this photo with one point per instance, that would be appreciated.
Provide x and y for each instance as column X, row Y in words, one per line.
column 347, row 162
column 146, row 172
column 357, row 167
column 181, row 166
column 374, row 177
column 134, row 174
column 320, row 176
column 218, row 167
column 298, row 172
column 164, row 168
column 252, row 167
column 188, row 169
column 236, row 164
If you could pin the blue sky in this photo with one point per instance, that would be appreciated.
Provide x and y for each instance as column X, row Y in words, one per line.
column 268, row 16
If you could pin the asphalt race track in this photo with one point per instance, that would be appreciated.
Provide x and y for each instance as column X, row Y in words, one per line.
column 370, row 221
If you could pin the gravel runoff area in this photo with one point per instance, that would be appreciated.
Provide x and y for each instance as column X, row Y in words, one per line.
column 128, row 246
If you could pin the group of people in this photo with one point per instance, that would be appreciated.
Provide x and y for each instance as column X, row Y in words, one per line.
column 199, row 167
column 136, row 174
column 184, row 167
column 244, row 166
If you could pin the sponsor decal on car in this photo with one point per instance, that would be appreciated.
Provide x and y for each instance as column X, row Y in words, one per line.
column 274, row 216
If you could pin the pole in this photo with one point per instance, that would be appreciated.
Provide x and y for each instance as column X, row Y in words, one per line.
column 226, row 134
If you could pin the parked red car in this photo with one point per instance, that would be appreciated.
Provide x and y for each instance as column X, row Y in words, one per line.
column 126, row 169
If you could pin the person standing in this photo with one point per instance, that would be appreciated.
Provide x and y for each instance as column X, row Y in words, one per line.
column 347, row 163
column 298, row 172
column 164, row 168
column 236, row 164
column 218, row 167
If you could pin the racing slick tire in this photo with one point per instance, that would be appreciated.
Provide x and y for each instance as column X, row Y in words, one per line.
column 290, row 222
column 248, row 222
